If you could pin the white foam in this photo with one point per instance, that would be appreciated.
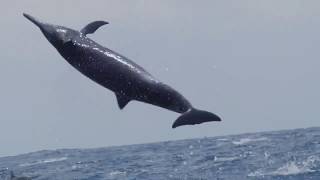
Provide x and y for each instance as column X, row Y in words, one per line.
column 256, row 174
column 44, row 161
column 118, row 173
column 248, row 140
column 290, row 168
column 223, row 159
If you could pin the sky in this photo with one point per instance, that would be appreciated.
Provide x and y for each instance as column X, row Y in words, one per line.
column 254, row 63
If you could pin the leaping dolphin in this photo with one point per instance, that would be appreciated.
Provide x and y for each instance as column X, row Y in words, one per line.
column 126, row 79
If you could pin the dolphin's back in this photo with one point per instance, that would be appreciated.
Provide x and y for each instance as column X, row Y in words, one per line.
column 103, row 65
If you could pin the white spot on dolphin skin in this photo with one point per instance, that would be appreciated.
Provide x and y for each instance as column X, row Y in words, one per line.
column 83, row 45
column 61, row 30
column 97, row 49
column 119, row 58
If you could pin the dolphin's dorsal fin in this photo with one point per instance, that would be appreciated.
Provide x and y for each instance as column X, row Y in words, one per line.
column 92, row 27
column 122, row 100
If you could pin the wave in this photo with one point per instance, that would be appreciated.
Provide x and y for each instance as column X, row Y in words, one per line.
column 44, row 161
column 291, row 168
column 248, row 140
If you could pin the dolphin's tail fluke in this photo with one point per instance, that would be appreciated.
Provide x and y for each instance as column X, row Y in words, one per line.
column 194, row 116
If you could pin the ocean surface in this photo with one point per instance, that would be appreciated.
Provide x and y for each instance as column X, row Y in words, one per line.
column 288, row 154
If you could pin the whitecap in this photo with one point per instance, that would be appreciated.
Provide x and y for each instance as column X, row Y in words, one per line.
column 118, row 173
column 256, row 174
column 248, row 140
column 224, row 159
column 291, row 168
column 44, row 161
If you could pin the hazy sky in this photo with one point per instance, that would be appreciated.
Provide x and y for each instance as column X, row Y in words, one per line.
column 253, row 62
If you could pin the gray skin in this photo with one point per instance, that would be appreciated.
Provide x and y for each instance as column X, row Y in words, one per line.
column 126, row 79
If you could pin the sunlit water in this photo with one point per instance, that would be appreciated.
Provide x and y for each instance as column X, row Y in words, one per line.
column 293, row 154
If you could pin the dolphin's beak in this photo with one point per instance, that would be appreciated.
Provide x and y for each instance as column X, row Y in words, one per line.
column 33, row 20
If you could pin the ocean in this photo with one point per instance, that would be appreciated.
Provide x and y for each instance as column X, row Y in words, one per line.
column 281, row 155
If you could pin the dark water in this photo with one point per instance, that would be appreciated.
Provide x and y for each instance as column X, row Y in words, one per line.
column 293, row 154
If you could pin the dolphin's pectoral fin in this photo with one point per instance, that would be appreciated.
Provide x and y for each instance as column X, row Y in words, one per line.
column 122, row 101
column 92, row 27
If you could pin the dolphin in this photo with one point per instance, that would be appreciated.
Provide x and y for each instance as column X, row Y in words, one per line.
column 126, row 79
